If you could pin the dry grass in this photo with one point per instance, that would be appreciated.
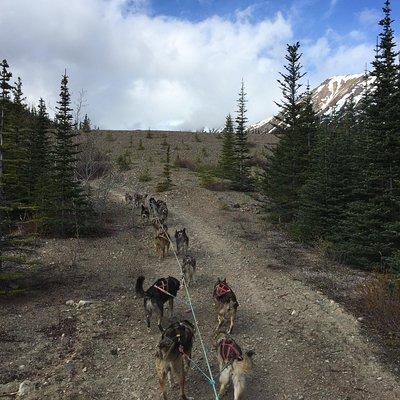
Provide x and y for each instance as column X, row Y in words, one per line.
column 380, row 297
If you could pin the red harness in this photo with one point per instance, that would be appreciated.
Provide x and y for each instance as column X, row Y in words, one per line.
column 222, row 289
column 229, row 350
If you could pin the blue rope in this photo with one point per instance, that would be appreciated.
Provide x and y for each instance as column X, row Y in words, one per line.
column 209, row 377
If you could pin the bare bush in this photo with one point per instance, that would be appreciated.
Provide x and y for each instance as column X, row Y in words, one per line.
column 103, row 191
column 92, row 162
column 188, row 164
column 381, row 299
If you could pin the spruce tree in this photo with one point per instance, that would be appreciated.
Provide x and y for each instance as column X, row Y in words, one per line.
column 227, row 158
column 85, row 126
column 5, row 88
column 167, row 169
column 241, row 171
column 370, row 232
column 68, row 209
column 40, row 159
column 288, row 166
column 166, row 183
column 12, row 158
column 329, row 188
column 17, row 93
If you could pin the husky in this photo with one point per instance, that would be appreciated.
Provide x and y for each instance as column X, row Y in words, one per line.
column 145, row 213
column 159, row 227
column 173, row 355
column 128, row 198
column 159, row 209
column 182, row 241
column 161, row 291
column 162, row 243
column 226, row 303
column 162, row 210
column 139, row 199
column 189, row 269
column 233, row 365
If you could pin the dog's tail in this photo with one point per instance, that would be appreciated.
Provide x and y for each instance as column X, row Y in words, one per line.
column 248, row 361
column 139, row 286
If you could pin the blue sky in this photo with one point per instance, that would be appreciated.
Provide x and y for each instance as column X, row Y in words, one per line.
column 178, row 64
column 311, row 18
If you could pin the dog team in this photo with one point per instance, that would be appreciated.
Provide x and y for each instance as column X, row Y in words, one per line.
column 175, row 347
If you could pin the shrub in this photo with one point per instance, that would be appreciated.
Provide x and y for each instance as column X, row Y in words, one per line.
column 140, row 147
column 196, row 138
column 145, row 176
column 381, row 301
column 164, row 143
column 149, row 134
column 124, row 161
column 188, row 164
column 162, row 186
column 210, row 182
column 110, row 137
column 224, row 207
column 92, row 162
column 204, row 152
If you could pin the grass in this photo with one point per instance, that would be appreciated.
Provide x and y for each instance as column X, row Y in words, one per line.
column 163, row 186
column 8, row 275
column 208, row 180
column 145, row 176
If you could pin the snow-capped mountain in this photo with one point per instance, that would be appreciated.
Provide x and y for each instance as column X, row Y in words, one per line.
column 331, row 94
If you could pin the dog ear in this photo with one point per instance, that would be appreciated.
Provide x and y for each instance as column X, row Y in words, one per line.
column 184, row 230
column 224, row 280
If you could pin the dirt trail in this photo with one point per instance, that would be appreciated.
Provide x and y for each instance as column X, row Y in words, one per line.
column 307, row 347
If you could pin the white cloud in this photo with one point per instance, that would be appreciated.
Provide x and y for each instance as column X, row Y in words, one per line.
column 142, row 71
column 331, row 9
column 369, row 16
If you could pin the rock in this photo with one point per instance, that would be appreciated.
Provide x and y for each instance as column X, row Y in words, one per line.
column 70, row 367
column 100, row 322
column 8, row 388
column 69, row 302
column 114, row 352
column 84, row 303
column 25, row 388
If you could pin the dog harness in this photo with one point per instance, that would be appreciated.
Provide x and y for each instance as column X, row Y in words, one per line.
column 222, row 289
column 164, row 288
column 230, row 351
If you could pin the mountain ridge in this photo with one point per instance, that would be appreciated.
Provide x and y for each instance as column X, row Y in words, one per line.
column 332, row 94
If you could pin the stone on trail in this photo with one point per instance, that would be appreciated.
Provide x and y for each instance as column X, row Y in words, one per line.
column 25, row 388
column 8, row 388
column 84, row 303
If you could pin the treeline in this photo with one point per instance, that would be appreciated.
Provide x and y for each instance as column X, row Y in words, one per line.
column 333, row 179
column 337, row 179
column 39, row 188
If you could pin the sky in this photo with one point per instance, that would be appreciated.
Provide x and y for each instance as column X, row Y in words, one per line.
column 178, row 64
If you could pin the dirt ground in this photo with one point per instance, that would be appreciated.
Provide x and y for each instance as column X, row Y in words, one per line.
column 308, row 346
